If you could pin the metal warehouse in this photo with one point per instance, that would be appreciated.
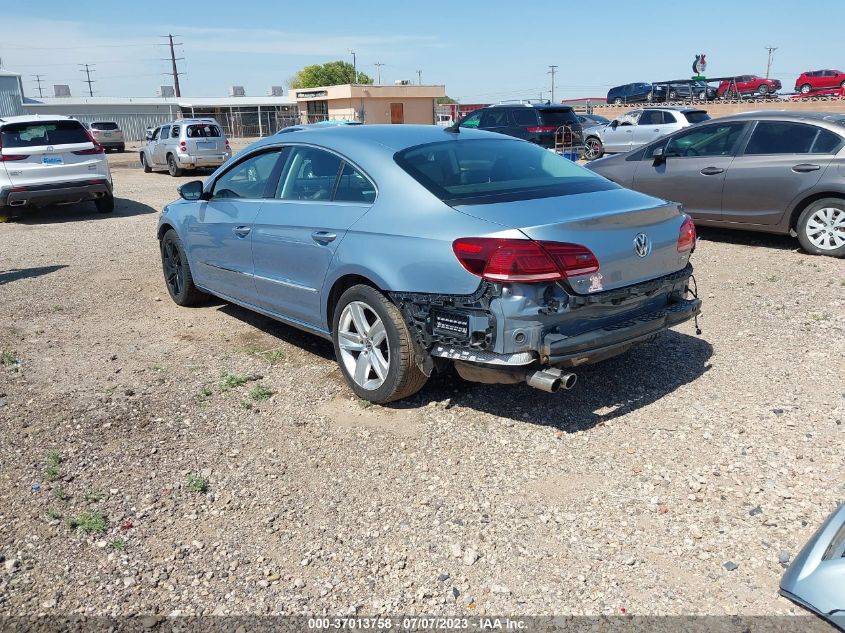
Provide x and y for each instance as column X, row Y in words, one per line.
column 11, row 94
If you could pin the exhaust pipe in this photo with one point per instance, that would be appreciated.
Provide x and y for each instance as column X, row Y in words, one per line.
column 550, row 380
column 17, row 203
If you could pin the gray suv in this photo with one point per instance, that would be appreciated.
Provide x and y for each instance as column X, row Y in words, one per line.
column 185, row 144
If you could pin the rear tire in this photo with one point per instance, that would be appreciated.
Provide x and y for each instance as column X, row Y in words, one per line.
column 672, row 95
column 172, row 166
column 374, row 347
column 177, row 272
column 821, row 227
column 145, row 164
column 805, row 89
column 105, row 204
column 763, row 89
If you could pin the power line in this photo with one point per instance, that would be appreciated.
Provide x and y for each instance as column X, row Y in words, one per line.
column 771, row 50
column 378, row 66
column 89, row 81
column 173, row 60
column 38, row 81
column 551, row 72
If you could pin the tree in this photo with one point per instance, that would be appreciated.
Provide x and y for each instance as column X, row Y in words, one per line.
column 445, row 100
column 328, row 74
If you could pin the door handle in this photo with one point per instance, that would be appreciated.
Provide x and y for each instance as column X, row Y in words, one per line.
column 712, row 171
column 805, row 167
column 241, row 231
column 323, row 237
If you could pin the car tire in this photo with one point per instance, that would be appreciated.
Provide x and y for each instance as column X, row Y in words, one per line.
column 702, row 96
column 673, row 95
column 805, row 89
column 821, row 227
column 145, row 164
column 177, row 272
column 121, row 149
column 173, row 167
column 593, row 148
column 763, row 89
column 617, row 101
column 104, row 204
column 379, row 364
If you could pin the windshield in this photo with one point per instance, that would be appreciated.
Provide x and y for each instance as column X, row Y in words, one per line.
column 480, row 171
column 697, row 116
column 43, row 133
column 104, row 125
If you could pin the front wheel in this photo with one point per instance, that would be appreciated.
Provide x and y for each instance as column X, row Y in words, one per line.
column 172, row 167
column 672, row 95
column 805, row 89
column 763, row 89
column 145, row 163
column 593, row 148
column 617, row 101
column 374, row 347
column 177, row 272
column 821, row 227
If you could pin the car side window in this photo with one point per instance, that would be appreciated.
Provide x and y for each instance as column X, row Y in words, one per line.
column 165, row 132
column 248, row 178
column 528, row 116
column 711, row 140
column 174, row 131
column 781, row 137
column 826, row 143
column 310, row 175
column 155, row 134
column 651, row 117
column 494, row 117
column 472, row 120
column 354, row 186
column 669, row 118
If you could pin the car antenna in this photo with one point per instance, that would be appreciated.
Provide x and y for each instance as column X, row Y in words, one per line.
column 453, row 129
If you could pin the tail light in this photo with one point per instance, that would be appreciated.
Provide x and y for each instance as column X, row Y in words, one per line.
column 686, row 238
column 523, row 260
column 542, row 128
column 97, row 149
column 183, row 146
column 7, row 157
column 227, row 145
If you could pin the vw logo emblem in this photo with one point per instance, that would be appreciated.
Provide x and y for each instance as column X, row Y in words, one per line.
column 642, row 245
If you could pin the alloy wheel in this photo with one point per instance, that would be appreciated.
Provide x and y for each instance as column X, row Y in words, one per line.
column 174, row 272
column 592, row 148
column 364, row 348
column 826, row 228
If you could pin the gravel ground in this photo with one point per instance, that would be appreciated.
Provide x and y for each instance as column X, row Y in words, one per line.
column 138, row 476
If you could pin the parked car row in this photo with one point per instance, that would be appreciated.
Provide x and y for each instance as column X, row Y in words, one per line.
column 739, row 86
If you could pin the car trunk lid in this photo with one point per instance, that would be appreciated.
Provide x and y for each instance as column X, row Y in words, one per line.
column 608, row 223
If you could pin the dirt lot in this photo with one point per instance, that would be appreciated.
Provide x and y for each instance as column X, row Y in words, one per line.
column 673, row 480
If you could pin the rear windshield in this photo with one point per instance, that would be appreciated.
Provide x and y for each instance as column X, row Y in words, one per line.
column 104, row 125
column 37, row 133
column 484, row 171
column 206, row 130
column 697, row 116
column 558, row 117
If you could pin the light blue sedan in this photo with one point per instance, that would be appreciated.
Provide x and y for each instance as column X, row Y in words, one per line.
column 413, row 247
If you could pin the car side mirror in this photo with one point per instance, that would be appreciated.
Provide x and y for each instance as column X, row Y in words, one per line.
column 192, row 191
column 614, row 124
column 659, row 156
column 148, row 136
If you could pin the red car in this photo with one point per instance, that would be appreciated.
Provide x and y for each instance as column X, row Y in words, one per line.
column 748, row 85
column 819, row 80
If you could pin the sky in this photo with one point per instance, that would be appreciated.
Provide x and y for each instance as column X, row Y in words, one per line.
column 482, row 50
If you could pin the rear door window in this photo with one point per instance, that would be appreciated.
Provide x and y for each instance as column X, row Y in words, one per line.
column 46, row 133
column 558, row 117
column 174, row 133
column 669, row 118
column 354, row 186
column 525, row 117
column 310, row 175
column 826, row 143
column 494, row 117
column 781, row 137
column 651, row 117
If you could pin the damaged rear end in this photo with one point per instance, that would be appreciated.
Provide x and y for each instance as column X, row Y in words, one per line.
column 580, row 273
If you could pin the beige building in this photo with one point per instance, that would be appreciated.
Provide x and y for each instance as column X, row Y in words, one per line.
column 399, row 103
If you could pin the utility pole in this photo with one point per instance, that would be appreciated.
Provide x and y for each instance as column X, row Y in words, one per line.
column 173, row 60
column 552, row 70
column 89, row 81
column 419, row 75
column 378, row 72
column 38, row 81
column 354, row 66
column 771, row 50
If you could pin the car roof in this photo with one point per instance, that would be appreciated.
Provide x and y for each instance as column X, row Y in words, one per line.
column 832, row 117
column 34, row 118
column 673, row 108
column 539, row 106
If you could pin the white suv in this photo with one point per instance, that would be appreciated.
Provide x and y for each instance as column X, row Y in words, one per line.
column 51, row 160
column 185, row 144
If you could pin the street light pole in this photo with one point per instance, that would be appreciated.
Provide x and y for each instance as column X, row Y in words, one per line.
column 354, row 67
